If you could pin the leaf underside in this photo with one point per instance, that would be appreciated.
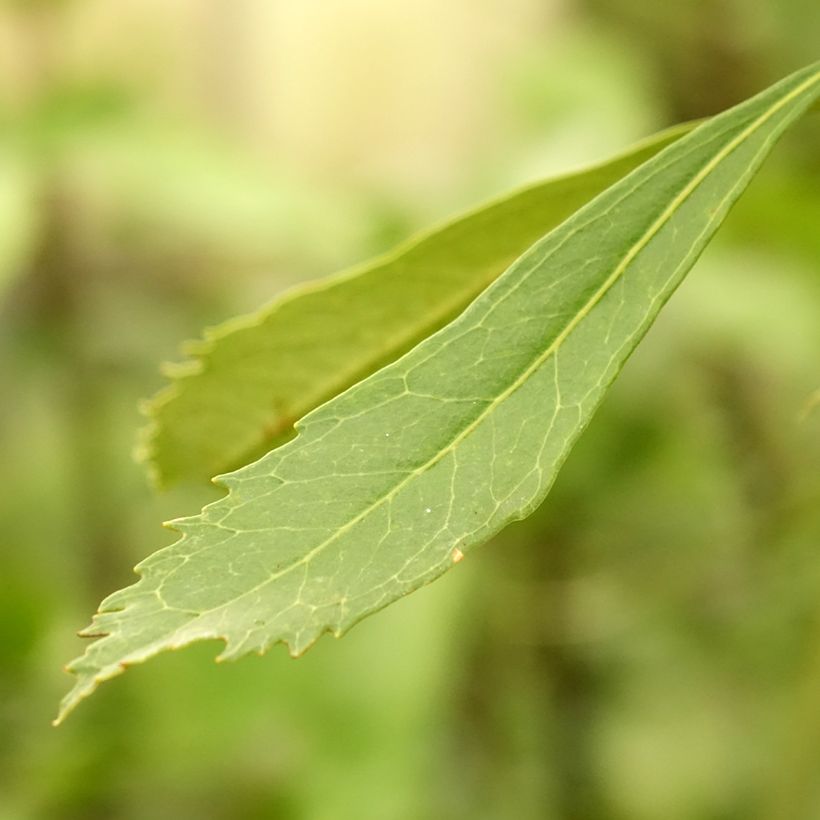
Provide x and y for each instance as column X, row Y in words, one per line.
column 251, row 378
column 391, row 482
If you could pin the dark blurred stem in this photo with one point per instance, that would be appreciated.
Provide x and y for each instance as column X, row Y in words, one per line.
column 58, row 313
column 571, row 681
column 59, row 278
column 527, row 656
column 61, row 272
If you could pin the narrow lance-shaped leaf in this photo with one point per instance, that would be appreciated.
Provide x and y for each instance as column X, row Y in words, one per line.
column 390, row 483
column 252, row 377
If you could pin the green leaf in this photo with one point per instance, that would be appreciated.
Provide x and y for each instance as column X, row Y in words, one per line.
column 392, row 482
column 252, row 377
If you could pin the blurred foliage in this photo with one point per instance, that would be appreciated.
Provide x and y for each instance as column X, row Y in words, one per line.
column 165, row 164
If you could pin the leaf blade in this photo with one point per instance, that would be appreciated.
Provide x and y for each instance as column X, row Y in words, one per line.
column 393, row 481
column 250, row 378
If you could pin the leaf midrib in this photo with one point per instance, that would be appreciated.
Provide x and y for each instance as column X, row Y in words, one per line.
column 397, row 342
column 277, row 426
column 554, row 346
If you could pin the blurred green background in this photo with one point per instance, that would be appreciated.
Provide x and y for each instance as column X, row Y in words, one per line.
column 647, row 646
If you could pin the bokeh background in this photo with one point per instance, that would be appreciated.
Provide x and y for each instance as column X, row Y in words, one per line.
column 647, row 646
